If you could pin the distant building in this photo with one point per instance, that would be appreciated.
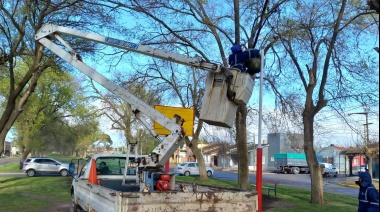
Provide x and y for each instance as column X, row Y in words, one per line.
column 355, row 158
column 333, row 154
column 7, row 148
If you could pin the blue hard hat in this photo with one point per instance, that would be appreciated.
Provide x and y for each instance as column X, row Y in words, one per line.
column 236, row 48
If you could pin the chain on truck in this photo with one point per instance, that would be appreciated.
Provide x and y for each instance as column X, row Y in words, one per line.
column 132, row 175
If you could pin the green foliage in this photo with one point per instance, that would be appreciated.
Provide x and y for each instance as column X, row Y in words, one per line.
column 43, row 126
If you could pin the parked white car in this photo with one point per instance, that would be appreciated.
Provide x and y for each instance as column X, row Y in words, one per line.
column 191, row 168
column 328, row 170
column 362, row 168
column 42, row 165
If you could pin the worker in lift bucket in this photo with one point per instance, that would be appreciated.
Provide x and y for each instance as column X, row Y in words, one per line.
column 245, row 61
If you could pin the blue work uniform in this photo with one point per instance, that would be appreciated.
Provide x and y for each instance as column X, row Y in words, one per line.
column 368, row 195
column 237, row 59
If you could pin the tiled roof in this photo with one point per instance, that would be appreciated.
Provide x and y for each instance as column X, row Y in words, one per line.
column 353, row 150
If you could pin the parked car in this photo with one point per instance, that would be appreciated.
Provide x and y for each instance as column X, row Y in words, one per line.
column 191, row 168
column 362, row 168
column 43, row 165
column 328, row 170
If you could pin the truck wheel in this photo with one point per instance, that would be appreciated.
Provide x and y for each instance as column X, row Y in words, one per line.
column 74, row 207
column 187, row 173
column 64, row 172
column 296, row 170
column 30, row 173
column 209, row 173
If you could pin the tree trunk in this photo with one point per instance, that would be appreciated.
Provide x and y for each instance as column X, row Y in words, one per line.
column 24, row 155
column 242, row 149
column 201, row 163
column 3, row 134
column 312, row 162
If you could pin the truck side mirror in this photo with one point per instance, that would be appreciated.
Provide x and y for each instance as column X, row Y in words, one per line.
column 72, row 169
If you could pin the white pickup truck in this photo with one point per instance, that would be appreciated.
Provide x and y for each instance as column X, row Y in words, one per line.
column 145, row 190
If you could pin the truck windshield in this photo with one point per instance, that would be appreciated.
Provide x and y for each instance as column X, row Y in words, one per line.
column 116, row 166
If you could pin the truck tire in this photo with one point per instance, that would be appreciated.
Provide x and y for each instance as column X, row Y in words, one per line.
column 74, row 207
column 295, row 170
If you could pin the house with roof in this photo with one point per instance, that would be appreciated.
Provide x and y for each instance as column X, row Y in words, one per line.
column 355, row 158
column 334, row 154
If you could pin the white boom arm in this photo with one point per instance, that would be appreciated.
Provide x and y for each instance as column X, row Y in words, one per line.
column 167, row 147
column 50, row 29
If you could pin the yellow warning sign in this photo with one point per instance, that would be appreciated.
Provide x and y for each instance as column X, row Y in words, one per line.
column 186, row 113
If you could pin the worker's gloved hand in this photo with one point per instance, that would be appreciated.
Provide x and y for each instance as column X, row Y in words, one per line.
column 229, row 79
column 183, row 131
column 231, row 95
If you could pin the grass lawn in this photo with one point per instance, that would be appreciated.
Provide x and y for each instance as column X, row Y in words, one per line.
column 289, row 198
column 34, row 193
column 10, row 168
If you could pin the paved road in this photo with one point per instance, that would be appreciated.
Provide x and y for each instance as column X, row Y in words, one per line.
column 298, row 181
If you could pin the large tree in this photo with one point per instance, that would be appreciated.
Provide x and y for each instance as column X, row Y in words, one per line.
column 324, row 64
column 19, row 21
column 201, row 28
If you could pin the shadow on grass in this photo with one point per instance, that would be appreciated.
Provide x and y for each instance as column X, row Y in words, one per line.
column 7, row 180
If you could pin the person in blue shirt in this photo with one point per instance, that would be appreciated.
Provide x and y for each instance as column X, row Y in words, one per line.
column 238, row 59
column 368, row 195
column 103, row 168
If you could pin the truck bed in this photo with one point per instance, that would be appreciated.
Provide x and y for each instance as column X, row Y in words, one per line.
column 198, row 198
column 290, row 159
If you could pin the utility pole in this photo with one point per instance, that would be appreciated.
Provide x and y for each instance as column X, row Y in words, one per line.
column 366, row 139
column 368, row 159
